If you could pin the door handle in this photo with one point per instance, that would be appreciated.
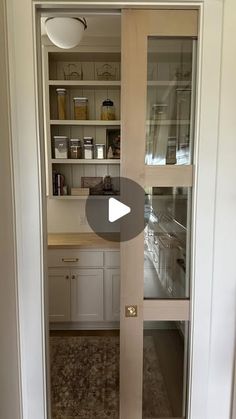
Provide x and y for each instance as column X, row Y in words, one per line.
column 131, row 311
column 70, row 259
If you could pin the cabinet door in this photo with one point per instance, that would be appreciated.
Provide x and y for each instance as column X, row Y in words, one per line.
column 59, row 295
column 87, row 294
column 112, row 294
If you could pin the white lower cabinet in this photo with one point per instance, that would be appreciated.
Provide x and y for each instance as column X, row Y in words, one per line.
column 112, row 294
column 87, row 295
column 84, row 287
column 59, row 294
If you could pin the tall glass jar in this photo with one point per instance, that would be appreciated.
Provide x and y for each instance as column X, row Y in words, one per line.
column 80, row 108
column 61, row 103
column 108, row 110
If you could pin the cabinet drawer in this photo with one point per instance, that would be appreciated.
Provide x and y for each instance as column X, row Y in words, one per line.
column 112, row 259
column 74, row 257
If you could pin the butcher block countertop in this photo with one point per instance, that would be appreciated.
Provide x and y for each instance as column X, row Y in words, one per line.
column 82, row 240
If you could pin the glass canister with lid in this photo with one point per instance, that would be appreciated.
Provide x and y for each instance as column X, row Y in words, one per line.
column 88, row 148
column 80, row 108
column 61, row 103
column 108, row 110
column 75, row 148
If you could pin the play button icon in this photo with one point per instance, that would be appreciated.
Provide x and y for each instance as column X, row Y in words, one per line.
column 119, row 214
column 117, row 210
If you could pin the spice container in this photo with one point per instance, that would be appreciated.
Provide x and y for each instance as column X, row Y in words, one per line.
column 100, row 151
column 171, row 151
column 61, row 103
column 88, row 151
column 75, row 148
column 80, row 108
column 159, row 111
column 60, row 147
column 108, row 110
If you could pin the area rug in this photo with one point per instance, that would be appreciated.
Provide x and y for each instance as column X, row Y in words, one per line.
column 85, row 379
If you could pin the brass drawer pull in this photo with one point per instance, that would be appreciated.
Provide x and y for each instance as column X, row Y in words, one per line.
column 70, row 260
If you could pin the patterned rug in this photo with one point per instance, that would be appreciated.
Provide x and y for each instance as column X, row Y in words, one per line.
column 85, row 379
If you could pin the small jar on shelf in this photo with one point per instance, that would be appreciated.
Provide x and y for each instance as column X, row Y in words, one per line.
column 108, row 110
column 75, row 148
column 88, row 148
column 80, row 108
column 60, row 144
column 100, row 151
column 61, row 103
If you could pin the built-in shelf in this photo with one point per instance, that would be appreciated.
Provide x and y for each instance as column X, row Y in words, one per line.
column 70, row 197
column 84, row 122
column 85, row 83
column 83, row 161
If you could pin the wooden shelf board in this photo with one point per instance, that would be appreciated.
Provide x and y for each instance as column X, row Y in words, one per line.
column 83, row 161
column 85, row 83
column 73, row 197
column 84, row 123
column 115, row 83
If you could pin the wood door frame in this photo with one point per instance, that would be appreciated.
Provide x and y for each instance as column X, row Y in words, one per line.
column 30, row 259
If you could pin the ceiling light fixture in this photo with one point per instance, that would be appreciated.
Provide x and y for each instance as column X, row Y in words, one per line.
column 65, row 32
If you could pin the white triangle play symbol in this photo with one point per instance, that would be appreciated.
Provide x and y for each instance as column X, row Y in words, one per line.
column 117, row 210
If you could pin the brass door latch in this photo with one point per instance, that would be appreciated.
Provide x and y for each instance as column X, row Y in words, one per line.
column 131, row 311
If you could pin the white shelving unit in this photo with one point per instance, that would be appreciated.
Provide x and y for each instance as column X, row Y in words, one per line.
column 87, row 64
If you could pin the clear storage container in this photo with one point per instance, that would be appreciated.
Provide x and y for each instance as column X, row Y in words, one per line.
column 108, row 110
column 75, row 148
column 60, row 147
column 80, row 108
column 61, row 103
column 88, row 151
column 100, row 151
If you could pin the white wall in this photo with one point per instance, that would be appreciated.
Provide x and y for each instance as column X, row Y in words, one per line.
column 10, row 398
column 221, row 338
column 223, row 319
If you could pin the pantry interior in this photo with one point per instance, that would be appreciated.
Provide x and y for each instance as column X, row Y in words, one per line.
column 84, row 154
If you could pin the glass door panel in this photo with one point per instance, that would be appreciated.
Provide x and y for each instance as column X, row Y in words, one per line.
column 170, row 89
column 164, row 369
column 166, row 243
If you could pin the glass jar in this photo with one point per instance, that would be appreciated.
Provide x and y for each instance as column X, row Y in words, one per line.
column 159, row 111
column 108, row 110
column 60, row 147
column 100, row 151
column 80, row 108
column 61, row 103
column 75, row 148
column 88, row 151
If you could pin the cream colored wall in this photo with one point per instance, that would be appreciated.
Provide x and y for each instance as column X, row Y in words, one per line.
column 10, row 405
column 220, row 343
column 223, row 317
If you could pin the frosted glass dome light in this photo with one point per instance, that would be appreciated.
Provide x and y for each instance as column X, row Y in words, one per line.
column 65, row 32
